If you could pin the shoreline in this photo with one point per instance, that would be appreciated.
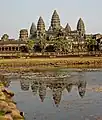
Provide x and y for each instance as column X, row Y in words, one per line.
column 8, row 108
column 37, row 64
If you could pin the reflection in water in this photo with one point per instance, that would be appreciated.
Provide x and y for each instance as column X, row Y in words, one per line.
column 57, row 93
column 82, row 88
column 69, row 87
column 40, row 82
column 24, row 84
column 34, row 87
column 42, row 90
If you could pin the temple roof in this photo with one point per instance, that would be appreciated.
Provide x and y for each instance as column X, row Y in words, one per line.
column 55, row 14
column 68, row 28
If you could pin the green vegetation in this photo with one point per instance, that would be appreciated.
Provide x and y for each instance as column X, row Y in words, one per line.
column 2, row 113
column 30, row 44
column 5, row 37
column 92, row 44
column 91, row 41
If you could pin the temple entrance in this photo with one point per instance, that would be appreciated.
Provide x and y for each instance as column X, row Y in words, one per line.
column 37, row 48
column 50, row 48
column 24, row 49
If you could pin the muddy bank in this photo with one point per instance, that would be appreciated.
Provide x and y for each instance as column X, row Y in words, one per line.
column 24, row 65
column 8, row 109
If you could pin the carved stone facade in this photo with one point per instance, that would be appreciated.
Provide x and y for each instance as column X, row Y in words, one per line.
column 56, row 31
column 23, row 35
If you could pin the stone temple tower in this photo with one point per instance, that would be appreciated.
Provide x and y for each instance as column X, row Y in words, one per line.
column 67, row 28
column 23, row 35
column 40, row 28
column 81, row 27
column 33, row 31
column 55, row 21
column 41, row 25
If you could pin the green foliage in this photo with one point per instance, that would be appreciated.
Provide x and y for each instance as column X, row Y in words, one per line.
column 91, row 41
column 30, row 44
column 5, row 37
column 2, row 113
column 62, row 45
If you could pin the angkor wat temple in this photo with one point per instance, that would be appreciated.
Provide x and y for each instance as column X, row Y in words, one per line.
column 56, row 30
column 56, row 39
column 56, row 33
column 63, row 39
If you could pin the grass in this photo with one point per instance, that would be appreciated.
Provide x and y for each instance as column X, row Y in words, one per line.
column 38, row 60
column 41, row 64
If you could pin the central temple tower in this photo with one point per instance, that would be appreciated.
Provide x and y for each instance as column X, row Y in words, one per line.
column 55, row 21
column 81, row 27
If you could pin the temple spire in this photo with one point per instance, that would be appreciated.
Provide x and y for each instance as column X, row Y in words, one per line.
column 32, row 29
column 81, row 26
column 68, row 28
column 40, row 25
column 55, row 21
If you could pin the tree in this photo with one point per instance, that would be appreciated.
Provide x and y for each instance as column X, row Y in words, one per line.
column 5, row 37
column 30, row 44
column 62, row 45
column 91, row 44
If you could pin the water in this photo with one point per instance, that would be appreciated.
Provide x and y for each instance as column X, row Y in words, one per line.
column 58, row 95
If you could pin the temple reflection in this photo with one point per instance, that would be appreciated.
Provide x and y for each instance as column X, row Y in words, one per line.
column 34, row 87
column 57, row 94
column 42, row 90
column 69, row 87
column 82, row 88
column 57, row 84
column 25, row 84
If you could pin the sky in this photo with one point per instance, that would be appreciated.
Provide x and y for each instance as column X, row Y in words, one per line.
column 19, row 14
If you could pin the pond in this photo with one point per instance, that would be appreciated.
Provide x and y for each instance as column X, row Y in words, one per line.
column 58, row 95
